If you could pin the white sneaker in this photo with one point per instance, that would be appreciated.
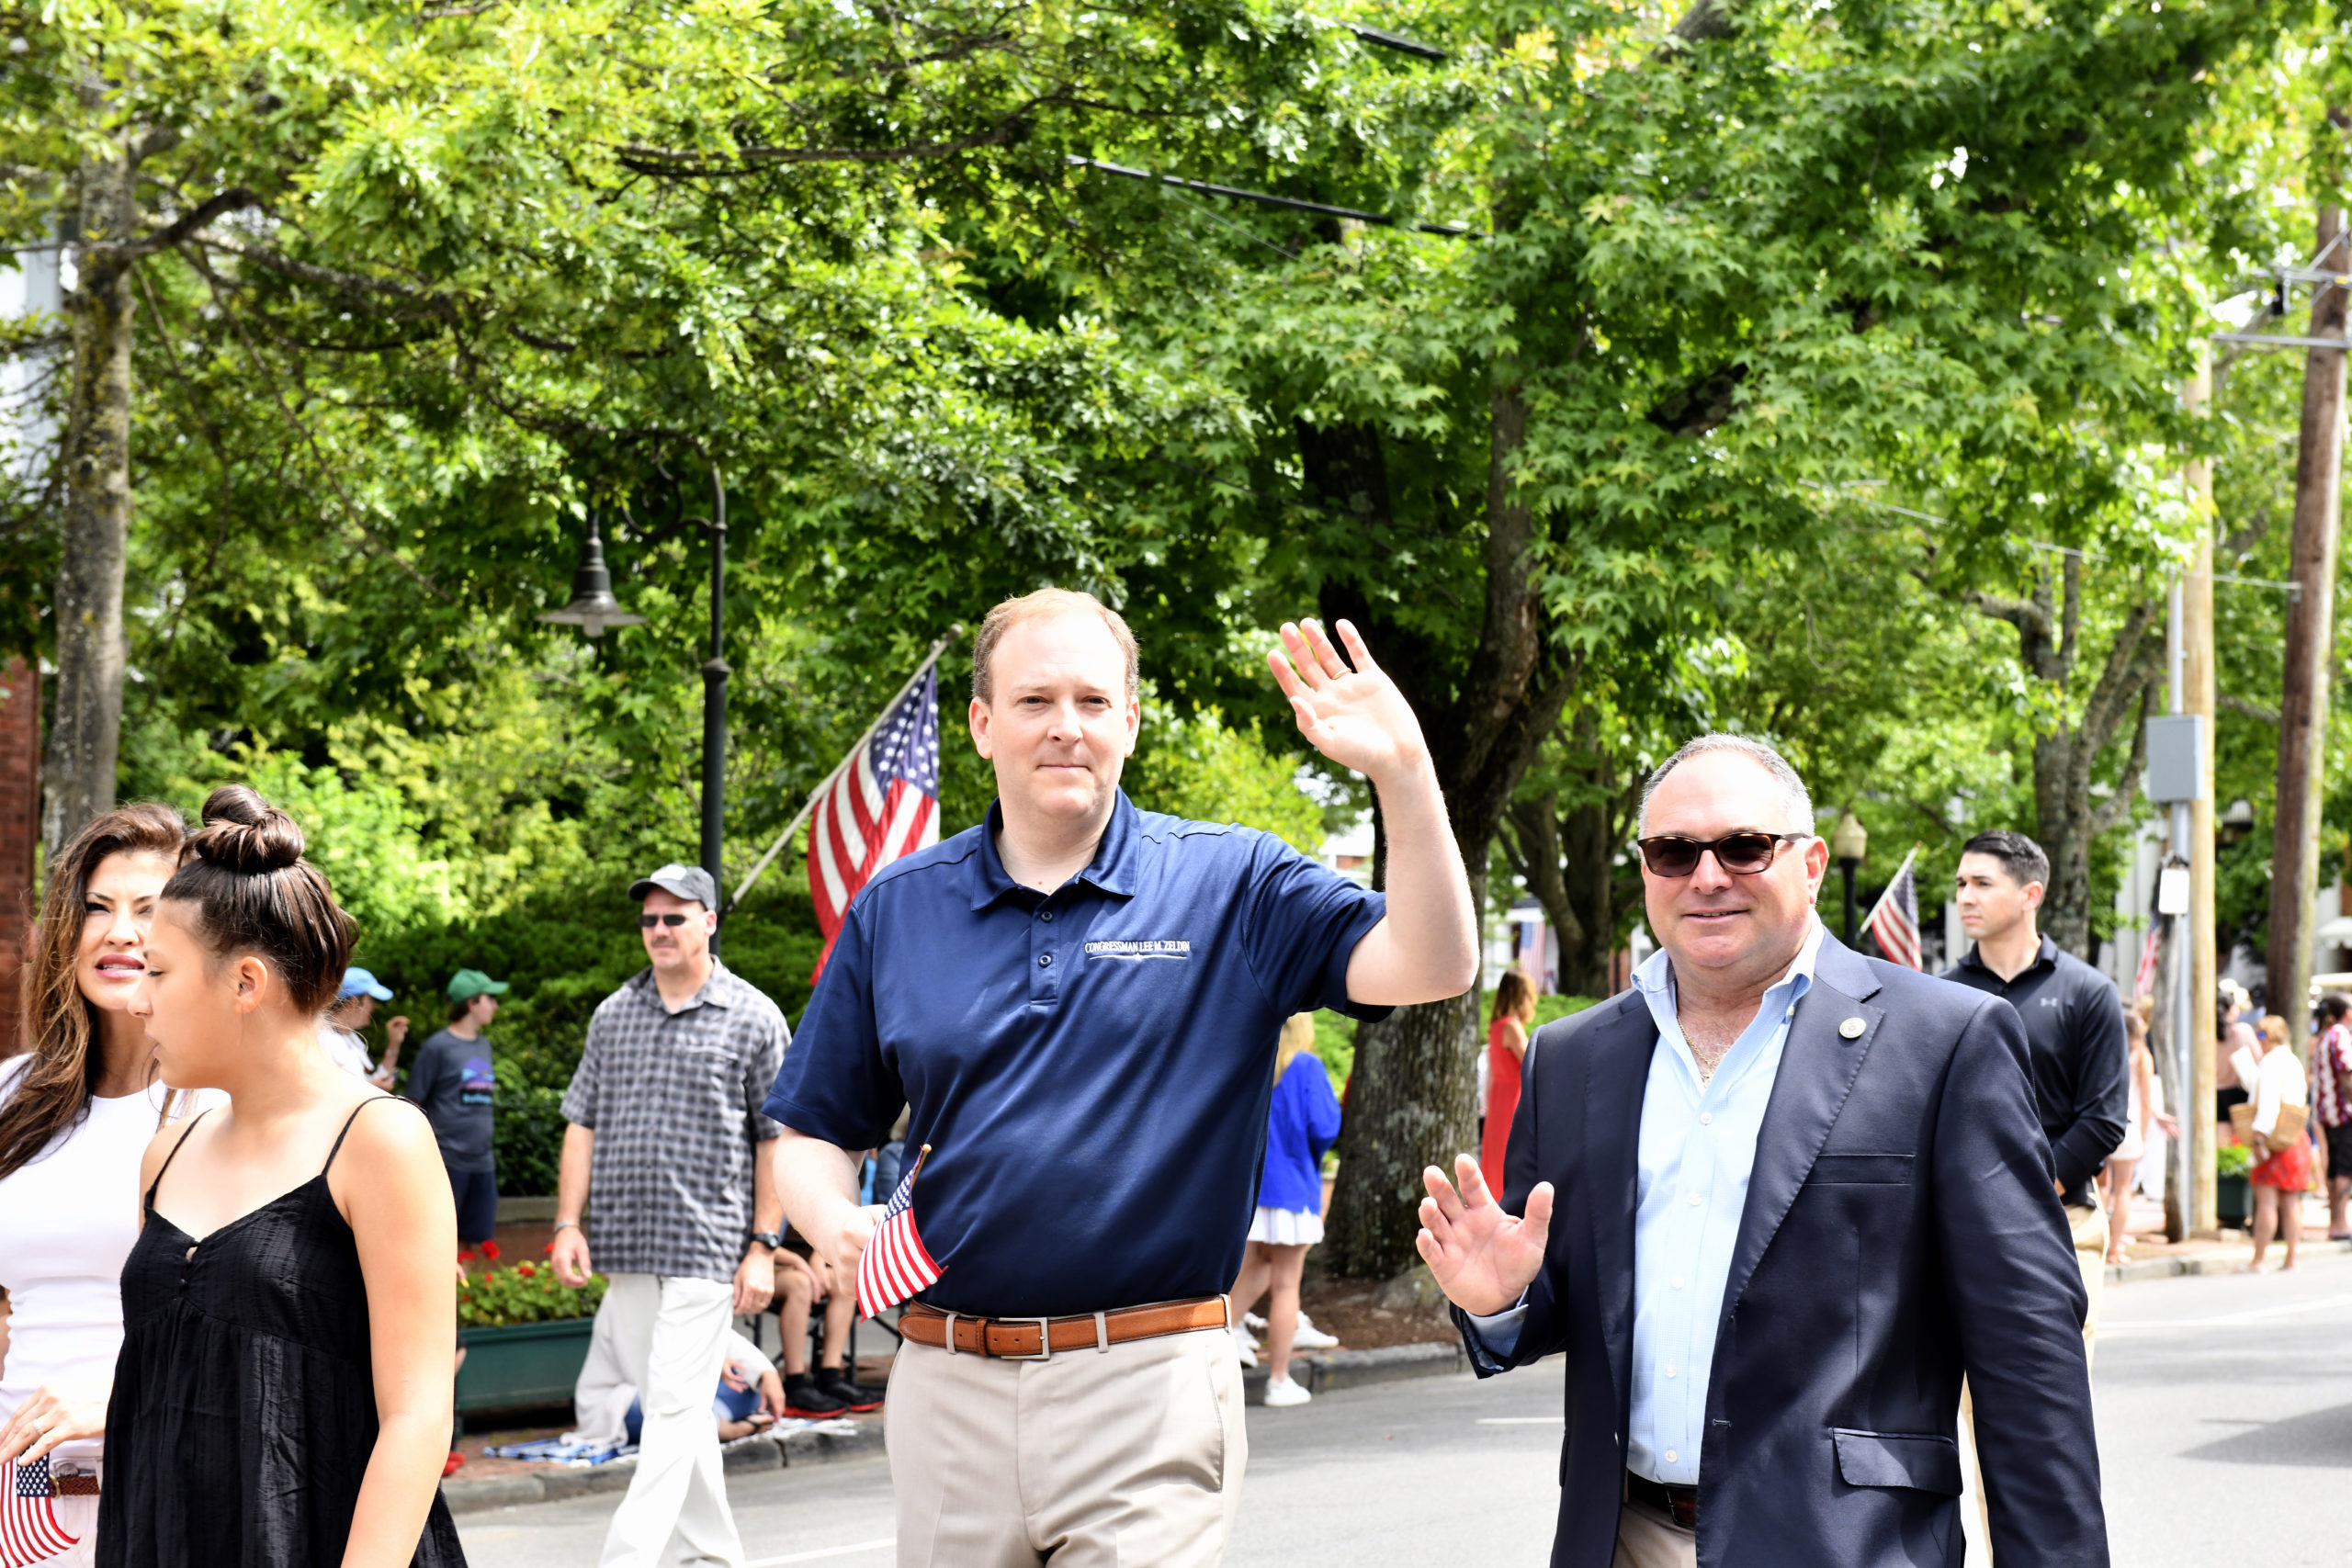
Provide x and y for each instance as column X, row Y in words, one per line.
column 1247, row 1347
column 1252, row 1321
column 1310, row 1337
column 1281, row 1392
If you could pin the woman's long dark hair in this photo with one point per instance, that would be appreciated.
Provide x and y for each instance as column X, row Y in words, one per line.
column 54, row 1095
column 1514, row 994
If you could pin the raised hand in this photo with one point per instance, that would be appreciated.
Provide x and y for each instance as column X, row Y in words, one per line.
column 1357, row 717
column 1481, row 1257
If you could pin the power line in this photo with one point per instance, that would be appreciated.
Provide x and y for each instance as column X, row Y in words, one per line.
column 1264, row 198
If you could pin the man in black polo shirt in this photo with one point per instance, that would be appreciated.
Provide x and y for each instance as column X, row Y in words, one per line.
column 2073, row 1025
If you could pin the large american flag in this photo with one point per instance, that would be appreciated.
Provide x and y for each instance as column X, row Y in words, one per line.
column 882, row 804
column 28, row 1531
column 896, row 1264
column 1894, row 923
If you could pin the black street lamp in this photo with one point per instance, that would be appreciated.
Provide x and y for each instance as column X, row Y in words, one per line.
column 1849, row 843
column 592, row 609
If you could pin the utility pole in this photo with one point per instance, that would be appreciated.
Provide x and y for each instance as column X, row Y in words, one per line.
column 2199, row 696
column 2302, row 698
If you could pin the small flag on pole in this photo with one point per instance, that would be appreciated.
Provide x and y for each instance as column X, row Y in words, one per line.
column 896, row 1264
column 2144, row 983
column 882, row 804
column 1894, row 922
column 28, row 1531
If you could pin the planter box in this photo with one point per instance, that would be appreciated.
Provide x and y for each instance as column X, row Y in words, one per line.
column 529, row 1363
column 2233, row 1202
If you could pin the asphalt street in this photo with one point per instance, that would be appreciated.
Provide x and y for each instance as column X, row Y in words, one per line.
column 2225, row 1435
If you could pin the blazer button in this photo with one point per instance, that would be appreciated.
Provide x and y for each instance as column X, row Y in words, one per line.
column 1045, row 961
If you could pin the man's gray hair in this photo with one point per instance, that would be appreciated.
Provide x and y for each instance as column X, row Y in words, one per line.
column 1794, row 798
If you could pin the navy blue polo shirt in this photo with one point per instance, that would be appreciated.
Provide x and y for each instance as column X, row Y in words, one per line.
column 1091, row 1068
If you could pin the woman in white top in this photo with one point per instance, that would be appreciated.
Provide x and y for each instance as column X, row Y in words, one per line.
column 2281, row 1177
column 77, row 1111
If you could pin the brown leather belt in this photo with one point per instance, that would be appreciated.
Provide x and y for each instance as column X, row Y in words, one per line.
column 1037, row 1338
column 1678, row 1503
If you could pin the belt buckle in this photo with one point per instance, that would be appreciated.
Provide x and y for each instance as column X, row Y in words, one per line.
column 1045, row 1340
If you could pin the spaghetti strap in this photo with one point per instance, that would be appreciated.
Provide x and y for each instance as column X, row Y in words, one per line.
column 346, row 1129
column 175, row 1154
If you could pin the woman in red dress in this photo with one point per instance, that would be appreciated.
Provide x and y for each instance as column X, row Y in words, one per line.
column 1506, row 1049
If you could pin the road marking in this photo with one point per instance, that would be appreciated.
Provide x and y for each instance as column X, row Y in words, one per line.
column 2224, row 1320
column 849, row 1550
column 1522, row 1420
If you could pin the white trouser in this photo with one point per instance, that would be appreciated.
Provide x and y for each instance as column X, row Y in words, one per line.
column 670, row 1335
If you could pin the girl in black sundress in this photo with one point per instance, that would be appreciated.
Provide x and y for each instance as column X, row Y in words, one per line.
column 283, row 1395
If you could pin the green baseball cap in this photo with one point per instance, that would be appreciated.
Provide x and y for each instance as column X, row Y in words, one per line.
column 468, row 984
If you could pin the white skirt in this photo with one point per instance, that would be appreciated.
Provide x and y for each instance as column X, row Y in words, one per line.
column 1285, row 1227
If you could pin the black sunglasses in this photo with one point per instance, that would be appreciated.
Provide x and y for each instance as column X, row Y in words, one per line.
column 650, row 922
column 1742, row 854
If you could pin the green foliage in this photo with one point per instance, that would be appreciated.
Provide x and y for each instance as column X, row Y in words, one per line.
column 1210, row 771
column 2233, row 1159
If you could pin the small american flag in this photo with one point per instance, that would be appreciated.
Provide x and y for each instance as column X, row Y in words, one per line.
column 28, row 1531
column 883, row 803
column 2144, row 983
column 1894, row 922
column 895, row 1263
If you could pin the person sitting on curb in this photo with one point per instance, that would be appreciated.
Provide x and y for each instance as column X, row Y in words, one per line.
column 749, row 1396
column 802, row 1280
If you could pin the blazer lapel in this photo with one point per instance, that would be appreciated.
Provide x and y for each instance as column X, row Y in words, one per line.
column 1819, row 1066
column 1617, row 1075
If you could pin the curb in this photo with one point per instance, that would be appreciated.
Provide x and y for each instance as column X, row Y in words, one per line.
column 1320, row 1372
column 2203, row 1264
column 754, row 1452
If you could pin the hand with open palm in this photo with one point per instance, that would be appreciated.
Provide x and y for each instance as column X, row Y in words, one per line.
column 1481, row 1256
column 1355, row 717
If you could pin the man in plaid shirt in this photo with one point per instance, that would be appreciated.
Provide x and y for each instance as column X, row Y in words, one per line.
column 669, row 1160
column 2332, row 1103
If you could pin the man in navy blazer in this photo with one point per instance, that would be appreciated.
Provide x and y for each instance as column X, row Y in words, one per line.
column 1772, row 1204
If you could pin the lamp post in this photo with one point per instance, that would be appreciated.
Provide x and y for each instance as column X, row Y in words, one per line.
column 1849, row 842
column 592, row 609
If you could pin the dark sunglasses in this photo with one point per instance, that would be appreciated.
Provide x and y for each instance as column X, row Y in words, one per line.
column 650, row 922
column 1742, row 854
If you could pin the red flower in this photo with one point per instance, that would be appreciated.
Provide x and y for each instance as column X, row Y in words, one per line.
column 549, row 1251
column 465, row 1256
column 526, row 1270
column 490, row 1250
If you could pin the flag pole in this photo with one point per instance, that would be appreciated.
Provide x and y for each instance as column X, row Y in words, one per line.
column 817, row 795
column 1888, row 891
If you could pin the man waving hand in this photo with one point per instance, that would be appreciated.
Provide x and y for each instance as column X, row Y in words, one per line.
column 1078, row 1002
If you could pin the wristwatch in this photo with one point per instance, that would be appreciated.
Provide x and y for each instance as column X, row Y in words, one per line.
column 769, row 1239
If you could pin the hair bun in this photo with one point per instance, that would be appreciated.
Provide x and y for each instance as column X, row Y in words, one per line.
column 245, row 834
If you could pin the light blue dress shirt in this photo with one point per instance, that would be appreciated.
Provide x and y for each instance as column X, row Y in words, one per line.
column 1697, row 1148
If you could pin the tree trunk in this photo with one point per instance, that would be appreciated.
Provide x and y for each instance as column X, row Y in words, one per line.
column 2304, row 692
column 1411, row 1102
column 1568, row 859
column 87, row 731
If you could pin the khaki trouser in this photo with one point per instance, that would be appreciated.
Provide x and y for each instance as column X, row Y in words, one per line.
column 1090, row 1459
column 1647, row 1537
column 2090, row 1227
column 671, row 1336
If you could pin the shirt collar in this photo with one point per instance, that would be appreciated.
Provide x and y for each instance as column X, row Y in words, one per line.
column 1654, row 978
column 717, row 991
column 1113, row 869
column 2046, row 954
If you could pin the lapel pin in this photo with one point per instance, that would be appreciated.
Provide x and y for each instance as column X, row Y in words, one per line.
column 1852, row 1028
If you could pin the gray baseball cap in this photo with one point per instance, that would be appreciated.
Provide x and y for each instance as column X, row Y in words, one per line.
column 688, row 882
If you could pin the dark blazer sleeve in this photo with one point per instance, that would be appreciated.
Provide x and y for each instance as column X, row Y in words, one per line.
column 2018, row 1301
column 1543, row 1330
column 2102, row 1090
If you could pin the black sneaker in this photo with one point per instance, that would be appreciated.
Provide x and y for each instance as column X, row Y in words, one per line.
column 837, row 1381
column 811, row 1401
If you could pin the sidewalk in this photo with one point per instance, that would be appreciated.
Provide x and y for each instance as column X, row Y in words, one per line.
column 2153, row 1258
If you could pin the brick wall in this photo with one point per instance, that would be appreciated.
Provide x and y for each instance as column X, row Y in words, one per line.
column 19, row 831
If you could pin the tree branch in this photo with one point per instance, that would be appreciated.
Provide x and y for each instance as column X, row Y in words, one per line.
column 2251, row 710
